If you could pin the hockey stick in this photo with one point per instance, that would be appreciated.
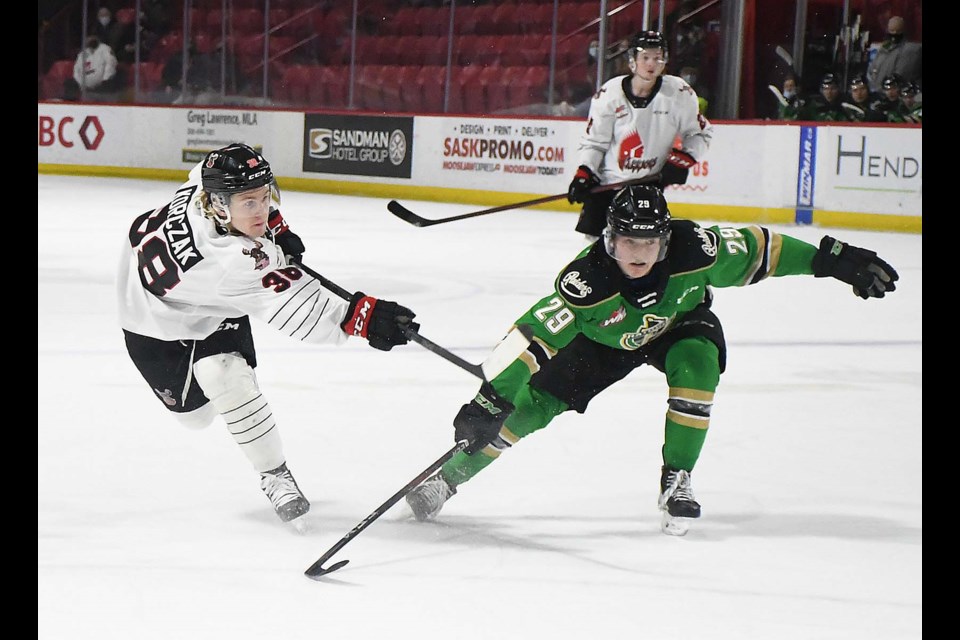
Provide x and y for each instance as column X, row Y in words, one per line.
column 316, row 570
column 506, row 352
column 780, row 51
column 852, row 107
column 780, row 97
column 518, row 339
column 410, row 217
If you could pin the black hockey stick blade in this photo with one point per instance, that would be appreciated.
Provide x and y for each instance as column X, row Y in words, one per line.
column 317, row 570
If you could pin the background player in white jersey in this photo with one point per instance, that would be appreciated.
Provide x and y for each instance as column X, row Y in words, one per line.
column 633, row 122
column 192, row 274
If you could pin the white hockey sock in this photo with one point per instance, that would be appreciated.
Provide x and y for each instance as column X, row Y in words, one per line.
column 231, row 385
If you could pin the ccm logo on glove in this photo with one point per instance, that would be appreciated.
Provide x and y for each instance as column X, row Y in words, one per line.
column 356, row 325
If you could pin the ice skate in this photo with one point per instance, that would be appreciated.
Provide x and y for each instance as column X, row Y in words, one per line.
column 428, row 498
column 676, row 501
column 287, row 499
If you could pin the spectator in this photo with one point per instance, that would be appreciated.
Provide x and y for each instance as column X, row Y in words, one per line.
column 896, row 56
column 912, row 108
column 109, row 30
column 201, row 71
column 827, row 106
column 865, row 102
column 149, row 36
column 96, row 67
column 687, row 38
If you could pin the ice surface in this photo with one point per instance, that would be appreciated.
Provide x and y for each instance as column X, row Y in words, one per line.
column 810, row 479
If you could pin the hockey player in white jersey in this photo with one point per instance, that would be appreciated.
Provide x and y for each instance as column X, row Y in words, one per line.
column 633, row 122
column 193, row 273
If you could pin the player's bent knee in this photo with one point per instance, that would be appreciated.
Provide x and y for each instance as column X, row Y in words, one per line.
column 198, row 418
column 225, row 374
column 694, row 363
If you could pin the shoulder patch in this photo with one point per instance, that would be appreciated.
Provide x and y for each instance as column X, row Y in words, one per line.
column 692, row 247
column 588, row 280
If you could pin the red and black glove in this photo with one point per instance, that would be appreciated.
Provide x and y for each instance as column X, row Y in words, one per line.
column 583, row 181
column 289, row 242
column 383, row 323
column 677, row 168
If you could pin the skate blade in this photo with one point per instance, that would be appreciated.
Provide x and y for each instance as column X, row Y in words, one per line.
column 674, row 526
column 300, row 525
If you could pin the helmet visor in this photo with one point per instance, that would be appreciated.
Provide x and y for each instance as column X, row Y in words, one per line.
column 223, row 203
column 635, row 250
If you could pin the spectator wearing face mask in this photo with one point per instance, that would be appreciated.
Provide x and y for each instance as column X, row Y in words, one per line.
column 896, row 56
column 108, row 30
column 96, row 67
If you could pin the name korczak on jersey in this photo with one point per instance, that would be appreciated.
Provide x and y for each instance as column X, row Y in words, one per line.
column 183, row 275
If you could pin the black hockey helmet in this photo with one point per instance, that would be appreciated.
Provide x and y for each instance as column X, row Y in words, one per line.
column 235, row 168
column 893, row 80
column 830, row 79
column 638, row 211
column 857, row 80
column 909, row 89
column 647, row 40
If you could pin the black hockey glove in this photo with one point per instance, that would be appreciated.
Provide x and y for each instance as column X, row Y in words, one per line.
column 583, row 181
column 870, row 276
column 383, row 323
column 479, row 421
column 289, row 242
column 677, row 168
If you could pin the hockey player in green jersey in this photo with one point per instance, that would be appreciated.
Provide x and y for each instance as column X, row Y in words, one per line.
column 640, row 294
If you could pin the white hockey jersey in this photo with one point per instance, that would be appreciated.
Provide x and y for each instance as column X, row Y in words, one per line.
column 629, row 137
column 179, row 278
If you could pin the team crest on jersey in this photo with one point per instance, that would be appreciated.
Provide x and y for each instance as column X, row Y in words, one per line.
column 709, row 246
column 262, row 260
column 572, row 286
column 167, row 396
column 615, row 317
column 621, row 111
column 652, row 328
column 630, row 156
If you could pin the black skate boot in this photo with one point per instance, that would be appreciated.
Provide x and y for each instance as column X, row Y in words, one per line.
column 676, row 501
